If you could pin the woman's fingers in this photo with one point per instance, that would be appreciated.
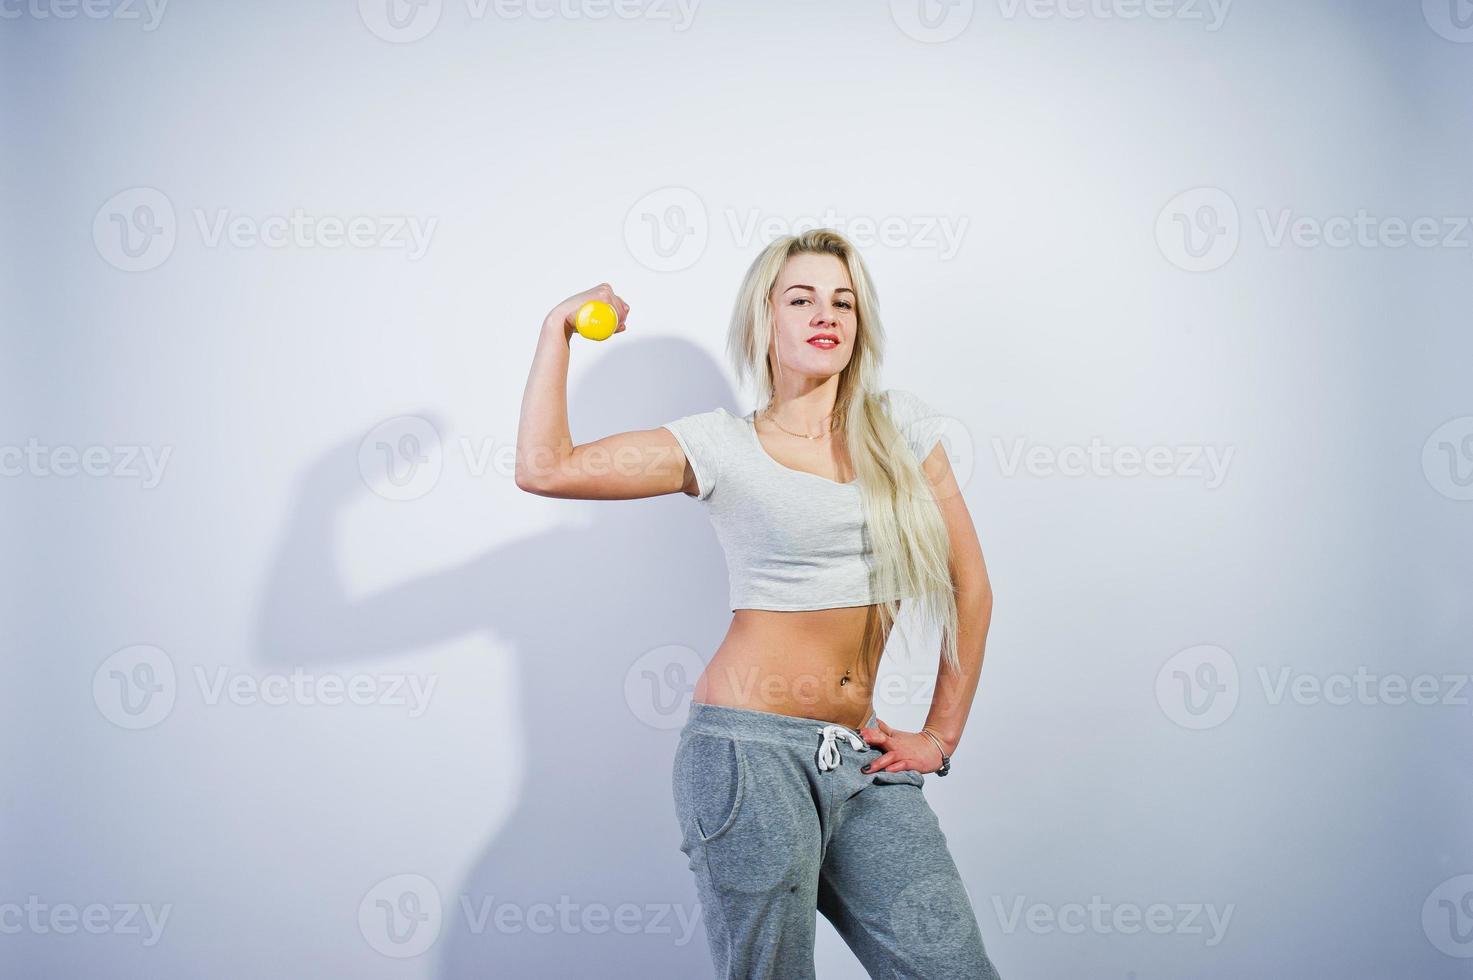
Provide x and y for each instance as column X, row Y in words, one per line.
column 891, row 762
column 605, row 292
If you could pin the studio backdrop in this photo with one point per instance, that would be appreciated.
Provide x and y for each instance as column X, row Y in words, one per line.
column 298, row 683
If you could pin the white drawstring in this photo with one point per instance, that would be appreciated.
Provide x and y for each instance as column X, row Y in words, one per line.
column 828, row 752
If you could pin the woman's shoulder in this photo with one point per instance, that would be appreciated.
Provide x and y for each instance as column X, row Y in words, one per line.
column 918, row 422
column 905, row 405
column 719, row 416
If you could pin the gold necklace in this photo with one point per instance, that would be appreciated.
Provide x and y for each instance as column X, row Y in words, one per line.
column 767, row 414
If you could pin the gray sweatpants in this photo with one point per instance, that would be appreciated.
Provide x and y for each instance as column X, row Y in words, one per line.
column 778, row 821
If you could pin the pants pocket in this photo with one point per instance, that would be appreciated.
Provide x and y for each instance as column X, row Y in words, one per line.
column 710, row 779
column 912, row 777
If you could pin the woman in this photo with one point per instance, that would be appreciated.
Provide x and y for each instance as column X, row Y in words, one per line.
column 833, row 502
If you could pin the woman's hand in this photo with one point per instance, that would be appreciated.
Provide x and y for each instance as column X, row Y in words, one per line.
column 562, row 315
column 900, row 750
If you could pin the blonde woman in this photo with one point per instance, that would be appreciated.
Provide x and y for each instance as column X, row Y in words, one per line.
column 833, row 501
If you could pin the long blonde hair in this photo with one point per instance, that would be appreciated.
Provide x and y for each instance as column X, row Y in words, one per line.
column 906, row 532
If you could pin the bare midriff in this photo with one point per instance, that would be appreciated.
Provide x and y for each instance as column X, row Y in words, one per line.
column 792, row 663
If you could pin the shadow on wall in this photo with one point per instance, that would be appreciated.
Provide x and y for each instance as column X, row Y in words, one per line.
column 580, row 606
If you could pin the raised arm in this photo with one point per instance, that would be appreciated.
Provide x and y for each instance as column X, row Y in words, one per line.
column 622, row 466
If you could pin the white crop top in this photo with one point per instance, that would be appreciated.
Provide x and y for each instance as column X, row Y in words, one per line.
column 793, row 540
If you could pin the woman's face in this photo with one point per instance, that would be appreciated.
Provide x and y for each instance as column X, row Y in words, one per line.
column 813, row 301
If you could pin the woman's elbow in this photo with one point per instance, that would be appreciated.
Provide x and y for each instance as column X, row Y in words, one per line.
column 976, row 592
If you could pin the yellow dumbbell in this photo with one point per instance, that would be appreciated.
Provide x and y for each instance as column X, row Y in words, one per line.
column 596, row 320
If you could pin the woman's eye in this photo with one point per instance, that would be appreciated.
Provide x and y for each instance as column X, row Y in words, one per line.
column 844, row 303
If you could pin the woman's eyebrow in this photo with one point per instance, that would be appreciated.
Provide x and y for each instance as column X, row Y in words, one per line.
column 841, row 289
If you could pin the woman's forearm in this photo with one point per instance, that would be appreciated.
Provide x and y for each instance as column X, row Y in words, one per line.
column 543, row 436
column 955, row 691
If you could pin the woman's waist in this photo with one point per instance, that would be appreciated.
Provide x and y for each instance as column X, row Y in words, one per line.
column 788, row 676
